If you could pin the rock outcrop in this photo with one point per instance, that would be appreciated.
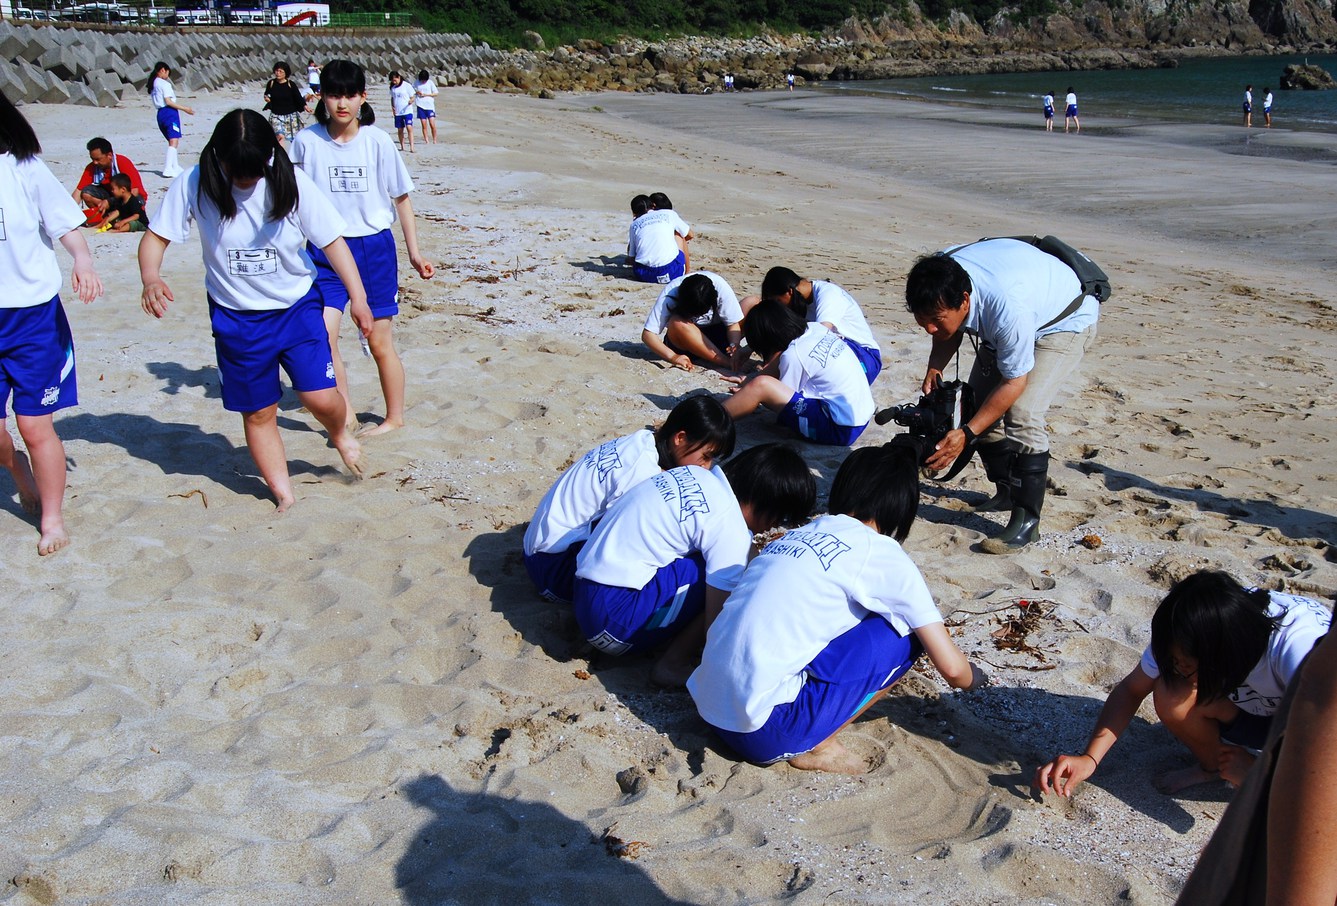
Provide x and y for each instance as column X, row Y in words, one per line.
column 1306, row 77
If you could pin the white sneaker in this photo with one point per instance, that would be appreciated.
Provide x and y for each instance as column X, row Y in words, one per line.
column 172, row 173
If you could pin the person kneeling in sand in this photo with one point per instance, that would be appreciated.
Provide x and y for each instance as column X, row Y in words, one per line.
column 673, row 548
column 699, row 317
column 657, row 242
column 698, row 432
column 824, row 621
column 811, row 378
column 1219, row 662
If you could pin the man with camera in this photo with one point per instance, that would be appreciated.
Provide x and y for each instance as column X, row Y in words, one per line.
column 1024, row 311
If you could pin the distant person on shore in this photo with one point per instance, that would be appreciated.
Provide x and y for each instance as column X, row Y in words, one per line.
column 824, row 302
column 1248, row 106
column 37, row 364
column 403, row 104
column 94, row 188
column 664, row 559
column 1220, row 658
column 789, row 80
column 313, row 76
column 1025, row 310
column 425, row 92
column 728, row 81
column 163, row 96
column 1267, row 106
column 656, row 241
column 699, row 317
column 1049, row 111
column 285, row 103
column 817, row 387
column 825, row 620
column 698, row 432
column 1070, row 114
column 255, row 214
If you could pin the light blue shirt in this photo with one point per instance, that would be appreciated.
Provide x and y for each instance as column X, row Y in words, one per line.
column 1016, row 289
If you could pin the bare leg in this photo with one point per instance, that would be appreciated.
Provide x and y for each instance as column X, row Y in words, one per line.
column 830, row 755
column 761, row 390
column 433, row 122
column 391, row 368
column 266, row 446
column 333, row 320
column 48, row 469
column 328, row 408
column 1196, row 726
column 681, row 657
column 686, row 253
column 16, row 461
column 689, row 338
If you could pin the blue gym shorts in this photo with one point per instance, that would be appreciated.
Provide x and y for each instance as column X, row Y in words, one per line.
column 404, row 121
column 377, row 265
column 1072, row 110
column 554, row 574
column 619, row 620
column 426, row 114
column 869, row 358
column 169, row 123
column 666, row 274
column 37, row 359
column 1248, row 731
column 252, row 345
column 837, row 684
column 812, row 419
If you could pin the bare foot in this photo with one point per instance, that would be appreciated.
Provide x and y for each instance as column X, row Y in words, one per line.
column 1235, row 764
column 285, row 503
column 1172, row 782
column 351, row 451
column 53, row 539
column 384, row 427
column 22, row 472
column 832, row 757
column 671, row 675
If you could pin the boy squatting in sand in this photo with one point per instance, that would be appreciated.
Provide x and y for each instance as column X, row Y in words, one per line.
column 255, row 214
column 699, row 316
column 125, row 211
column 673, row 548
column 698, row 432
column 823, row 622
column 1218, row 664
column 37, row 363
column 360, row 171
column 811, row 379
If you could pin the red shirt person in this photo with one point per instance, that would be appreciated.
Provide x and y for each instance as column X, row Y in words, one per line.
column 94, row 189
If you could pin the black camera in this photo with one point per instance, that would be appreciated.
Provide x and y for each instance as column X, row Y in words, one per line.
column 947, row 407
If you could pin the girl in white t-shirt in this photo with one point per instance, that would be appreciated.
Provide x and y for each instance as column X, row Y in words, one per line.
column 1220, row 658
column 698, row 432
column 255, row 214
column 824, row 621
column 37, row 364
column 169, row 120
column 402, row 103
column 425, row 91
column 362, row 174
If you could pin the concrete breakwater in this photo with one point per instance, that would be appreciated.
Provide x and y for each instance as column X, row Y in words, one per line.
column 96, row 67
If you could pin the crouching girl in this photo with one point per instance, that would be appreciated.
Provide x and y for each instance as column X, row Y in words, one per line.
column 673, row 548
column 823, row 622
column 696, row 433
column 255, row 215
column 1220, row 659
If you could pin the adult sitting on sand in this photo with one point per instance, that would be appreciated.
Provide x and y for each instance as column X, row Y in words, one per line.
column 824, row 621
column 653, row 242
column 1218, row 664
column 94, row 189
column 1019, row 302
column 823, row 302
column 699, row 317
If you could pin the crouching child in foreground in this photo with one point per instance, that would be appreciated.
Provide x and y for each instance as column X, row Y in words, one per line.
column 673, row 548
column 824, row 621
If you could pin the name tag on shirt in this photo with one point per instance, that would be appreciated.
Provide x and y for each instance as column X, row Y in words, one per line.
column 252, row 262
column 348, row 179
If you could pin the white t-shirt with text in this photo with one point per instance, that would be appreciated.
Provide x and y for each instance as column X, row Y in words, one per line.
column 35, row 212
column 730, row 312
column 821, row 366
column 361, row 177
column 650, row 238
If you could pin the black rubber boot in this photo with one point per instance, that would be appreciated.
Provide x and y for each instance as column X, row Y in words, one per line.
column 998, row 459
column 1029, row 473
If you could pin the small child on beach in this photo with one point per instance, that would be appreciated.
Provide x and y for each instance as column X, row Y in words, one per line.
column 36, row 348
column 1220, row 658
column 256, row 213
column 425, row 92
column 401, row 102
column 810, row 377
column 125, row 211
column 698, row 432
column 698, row 316
column 673, row 547
column 823, row 622
column 361, row 173
column 824, row 302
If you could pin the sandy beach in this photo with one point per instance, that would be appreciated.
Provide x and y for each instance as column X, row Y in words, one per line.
column 364, row 702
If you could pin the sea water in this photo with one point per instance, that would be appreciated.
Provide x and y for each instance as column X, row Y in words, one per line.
column 1203, row 90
